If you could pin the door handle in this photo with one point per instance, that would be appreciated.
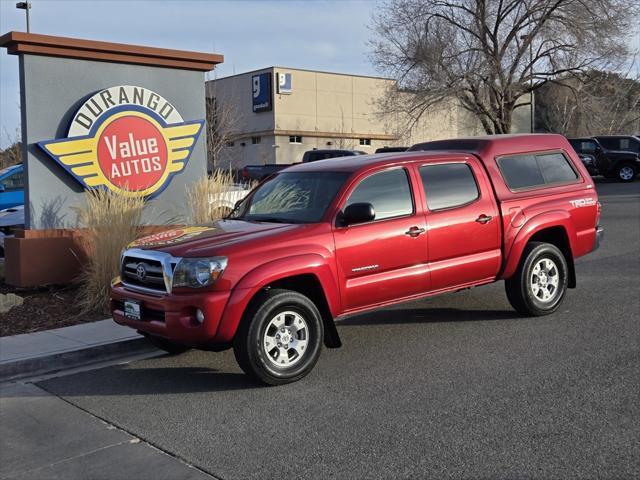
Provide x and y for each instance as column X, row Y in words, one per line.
column 484, row 219
column 415, row 231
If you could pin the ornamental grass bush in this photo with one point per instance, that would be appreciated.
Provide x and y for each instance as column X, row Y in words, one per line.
column 111, row 221
column 210, row 198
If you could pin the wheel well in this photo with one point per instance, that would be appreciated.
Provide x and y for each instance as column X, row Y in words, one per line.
column 558, row 236
column 309, row 286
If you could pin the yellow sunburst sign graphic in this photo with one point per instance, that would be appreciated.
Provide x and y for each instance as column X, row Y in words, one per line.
column 130, row 149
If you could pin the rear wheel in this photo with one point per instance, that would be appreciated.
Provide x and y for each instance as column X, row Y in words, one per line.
column 626, row 172
column 540, row 283
column 280, row 337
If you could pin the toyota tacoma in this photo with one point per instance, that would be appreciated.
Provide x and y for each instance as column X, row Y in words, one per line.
column 323, row 240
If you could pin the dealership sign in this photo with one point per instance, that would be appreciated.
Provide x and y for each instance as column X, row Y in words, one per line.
column 127, row 139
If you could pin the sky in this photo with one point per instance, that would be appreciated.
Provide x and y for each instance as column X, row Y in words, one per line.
column 313, row 34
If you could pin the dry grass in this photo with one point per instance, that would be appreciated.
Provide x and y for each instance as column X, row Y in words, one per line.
column 111, row 221
column 282, row 199
column 210, row 198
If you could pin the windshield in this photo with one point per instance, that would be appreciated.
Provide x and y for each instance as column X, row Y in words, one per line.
column 295, row 197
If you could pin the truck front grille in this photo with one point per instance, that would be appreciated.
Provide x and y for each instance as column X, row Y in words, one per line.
column 147, row 270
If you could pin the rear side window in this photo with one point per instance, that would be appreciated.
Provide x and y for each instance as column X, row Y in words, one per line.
column 610, row 143
column 536, row 170
column 388, row 192
column 448, row 185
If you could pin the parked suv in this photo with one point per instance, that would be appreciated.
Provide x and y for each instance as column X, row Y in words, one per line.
column 621, row 165
column 315, row 155
column 260, row 172
column 323, row 240
column 11, row 186
column 621, row 143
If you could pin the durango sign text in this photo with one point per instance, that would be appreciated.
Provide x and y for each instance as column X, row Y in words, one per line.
column 127, row 139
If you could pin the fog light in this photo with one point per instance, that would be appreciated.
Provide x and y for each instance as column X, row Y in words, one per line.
column 199, row 316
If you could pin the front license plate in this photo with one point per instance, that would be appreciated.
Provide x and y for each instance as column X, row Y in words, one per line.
column 132, row 309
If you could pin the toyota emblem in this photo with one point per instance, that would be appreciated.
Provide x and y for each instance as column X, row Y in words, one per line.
column 141, row 271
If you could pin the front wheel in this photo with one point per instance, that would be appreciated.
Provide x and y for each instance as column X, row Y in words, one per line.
column 540, row 283
column 280, row 337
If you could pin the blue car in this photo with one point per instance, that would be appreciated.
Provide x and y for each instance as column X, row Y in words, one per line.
column 11, row 186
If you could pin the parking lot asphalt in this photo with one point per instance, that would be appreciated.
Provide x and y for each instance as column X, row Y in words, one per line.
column 456, row 386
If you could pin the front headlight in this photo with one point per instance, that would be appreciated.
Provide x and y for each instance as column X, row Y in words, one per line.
column 198, row 272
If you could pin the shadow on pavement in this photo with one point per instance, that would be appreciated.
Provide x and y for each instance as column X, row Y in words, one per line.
column 427, row 315
column 122, row 380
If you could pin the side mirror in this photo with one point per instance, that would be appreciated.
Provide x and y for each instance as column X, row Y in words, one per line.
column 2, row 188
column 358, row 213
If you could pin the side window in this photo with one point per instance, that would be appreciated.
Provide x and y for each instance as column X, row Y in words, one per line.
column 535, row 170
column 448, row 185
column 14, row 181
column 588, row 147
column 609, row 143
column 555, row 168
column 388, row 192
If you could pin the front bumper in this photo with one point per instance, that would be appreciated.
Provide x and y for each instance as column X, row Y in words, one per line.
column 599, row 237
column 173, row 316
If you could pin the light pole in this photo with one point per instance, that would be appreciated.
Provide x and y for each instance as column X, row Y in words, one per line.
column 26, row 6
column 531, row 99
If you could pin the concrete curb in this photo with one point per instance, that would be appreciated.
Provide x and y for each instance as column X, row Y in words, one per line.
column 50, row 351
column 46, row 364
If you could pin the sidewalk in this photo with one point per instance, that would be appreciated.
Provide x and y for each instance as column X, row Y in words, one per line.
column 60, row 348
column 44, row 437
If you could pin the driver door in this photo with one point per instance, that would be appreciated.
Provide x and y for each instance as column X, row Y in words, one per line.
column 385, row 259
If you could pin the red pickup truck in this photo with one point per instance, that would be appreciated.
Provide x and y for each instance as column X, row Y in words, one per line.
column 327, row 239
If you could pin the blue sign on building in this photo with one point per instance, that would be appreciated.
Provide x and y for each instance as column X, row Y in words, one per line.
column 261, row 87
column 284, row 83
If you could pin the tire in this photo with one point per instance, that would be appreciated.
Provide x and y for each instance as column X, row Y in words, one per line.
column 168, row 346
column 273, row 356
column 626, row 172
column 539, row 285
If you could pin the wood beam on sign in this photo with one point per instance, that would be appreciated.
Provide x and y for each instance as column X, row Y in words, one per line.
column 36, row 44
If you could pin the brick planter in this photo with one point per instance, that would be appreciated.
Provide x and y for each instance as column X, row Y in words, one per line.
column 49, row 257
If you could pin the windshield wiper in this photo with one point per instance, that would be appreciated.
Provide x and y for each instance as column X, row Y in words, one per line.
column 267, row 219
column 270, row 220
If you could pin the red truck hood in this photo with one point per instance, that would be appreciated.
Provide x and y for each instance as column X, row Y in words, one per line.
column 204, row 239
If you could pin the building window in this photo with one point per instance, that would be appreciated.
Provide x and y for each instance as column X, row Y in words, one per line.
column 256, row 140
column 295, row 139
column 230, row 144
column 365, row 142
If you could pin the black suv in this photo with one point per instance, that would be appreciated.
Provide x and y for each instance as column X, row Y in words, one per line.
column 620, row 143
column 314, row 155
column 599, row 160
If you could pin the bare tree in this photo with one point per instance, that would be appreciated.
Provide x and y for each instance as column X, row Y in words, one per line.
column 489, row 54
column 596, row 103
column 223, row 121
column 342, row 142
column 13, row 153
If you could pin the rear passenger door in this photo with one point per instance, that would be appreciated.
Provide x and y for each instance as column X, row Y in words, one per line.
column 463, row 223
